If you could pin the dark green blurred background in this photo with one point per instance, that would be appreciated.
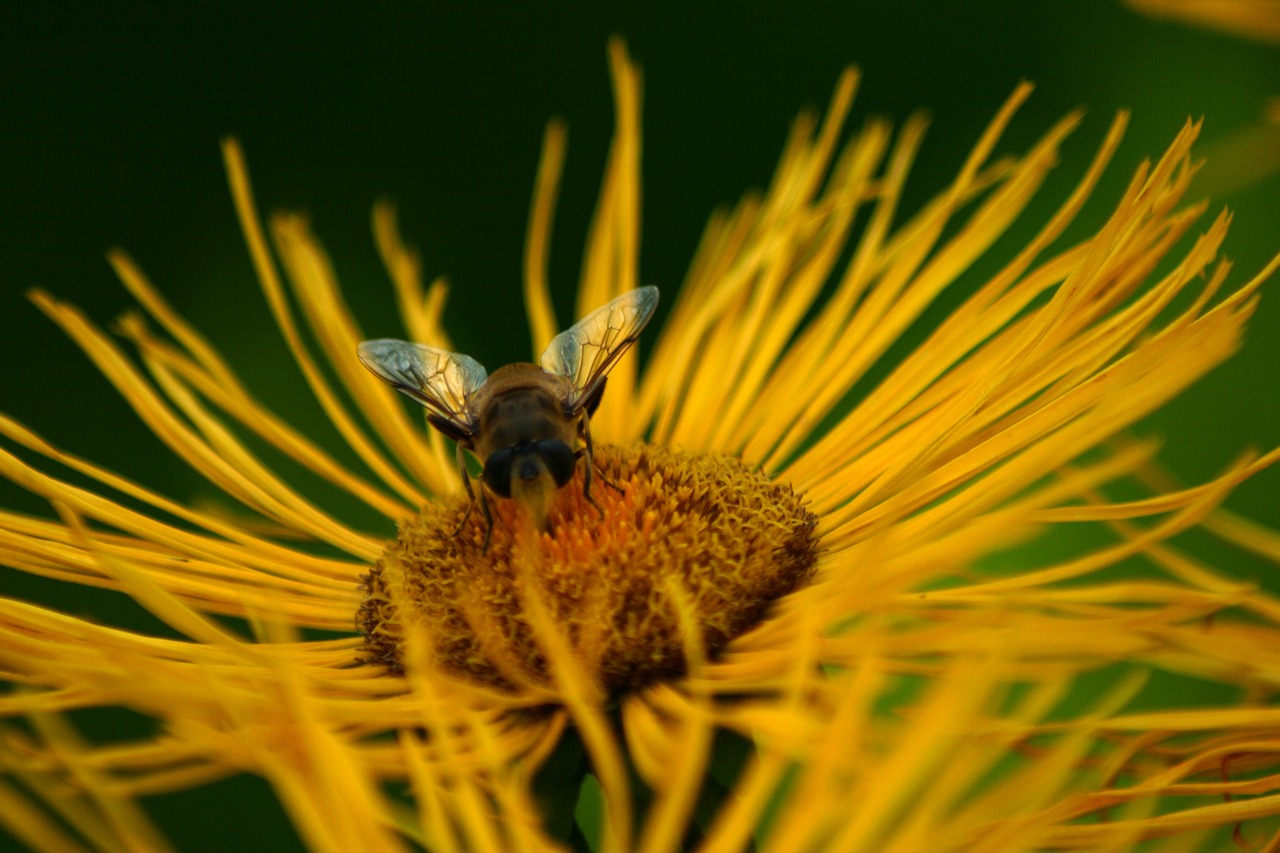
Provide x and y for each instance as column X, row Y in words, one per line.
column 111, row 121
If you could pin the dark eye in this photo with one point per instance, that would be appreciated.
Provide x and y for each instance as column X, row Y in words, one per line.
column 497, row 472
column 559, row 460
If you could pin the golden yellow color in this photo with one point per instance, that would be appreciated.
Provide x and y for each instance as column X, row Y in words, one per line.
column 906, row 696
column 1250, row 154
column 1257, row 19
column 694, row 531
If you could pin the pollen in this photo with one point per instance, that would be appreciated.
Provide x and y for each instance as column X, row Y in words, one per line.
column 723, row 537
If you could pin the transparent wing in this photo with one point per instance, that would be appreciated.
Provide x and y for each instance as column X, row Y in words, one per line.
column 586, row 353
column 442, row 381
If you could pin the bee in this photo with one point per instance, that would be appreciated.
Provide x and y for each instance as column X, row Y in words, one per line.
column 524, row 422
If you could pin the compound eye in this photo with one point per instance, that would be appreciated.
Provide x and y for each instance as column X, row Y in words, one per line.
column 559, row 460
column 497, row 472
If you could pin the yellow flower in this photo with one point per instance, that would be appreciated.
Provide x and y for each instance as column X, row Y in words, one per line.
column 1250, row 154
column 923, row 679
column 1256, row 19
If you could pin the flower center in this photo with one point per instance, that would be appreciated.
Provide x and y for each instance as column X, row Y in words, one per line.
column 724, row 538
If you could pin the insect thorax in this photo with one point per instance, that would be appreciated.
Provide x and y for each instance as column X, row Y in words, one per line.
column 522, row 406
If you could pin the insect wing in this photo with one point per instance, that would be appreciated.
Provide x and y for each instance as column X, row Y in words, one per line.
column 587, row 352
column 442, row 381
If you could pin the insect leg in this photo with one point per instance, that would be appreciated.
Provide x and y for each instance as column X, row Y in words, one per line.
column 488, row 521
column 466, row 481
column 589, row 452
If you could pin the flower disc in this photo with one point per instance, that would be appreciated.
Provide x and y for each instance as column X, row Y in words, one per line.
column 674, row 530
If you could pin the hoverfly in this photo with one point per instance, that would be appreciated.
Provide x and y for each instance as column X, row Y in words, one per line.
column 524, row 422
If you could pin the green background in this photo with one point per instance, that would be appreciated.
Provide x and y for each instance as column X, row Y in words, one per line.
column 111, row 121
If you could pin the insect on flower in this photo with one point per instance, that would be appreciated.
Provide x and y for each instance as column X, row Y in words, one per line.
column 524, row 422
